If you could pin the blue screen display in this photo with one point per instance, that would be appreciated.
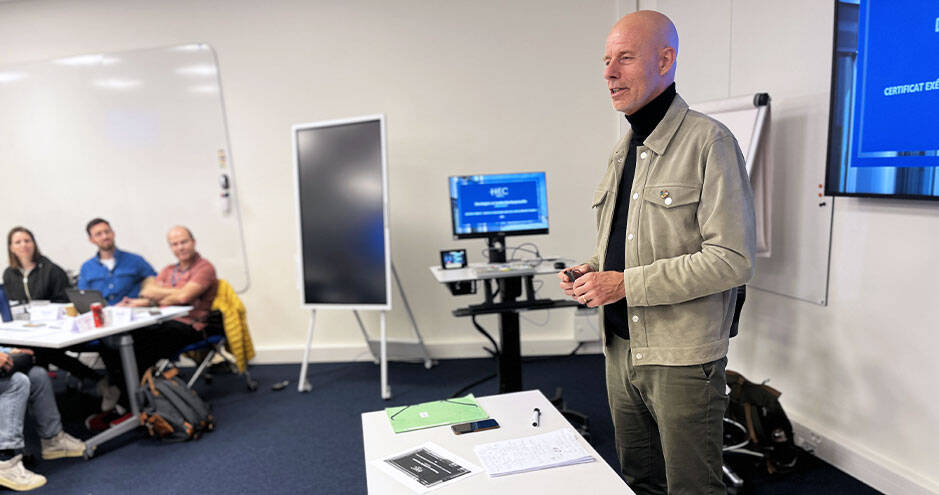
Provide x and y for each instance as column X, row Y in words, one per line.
column 506, row 203
column 885, row 96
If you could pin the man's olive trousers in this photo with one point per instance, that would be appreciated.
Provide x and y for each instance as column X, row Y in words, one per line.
column 668, row 421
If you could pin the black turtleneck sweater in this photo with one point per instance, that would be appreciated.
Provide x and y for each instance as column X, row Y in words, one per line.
column 643, row 122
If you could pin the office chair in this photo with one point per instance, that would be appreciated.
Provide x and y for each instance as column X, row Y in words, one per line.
column 212, row 346
column 736, row 441
column 736, row 437
column 227, row 326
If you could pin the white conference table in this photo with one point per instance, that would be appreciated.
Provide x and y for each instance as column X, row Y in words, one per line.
column 513, row 412
column 51, row 335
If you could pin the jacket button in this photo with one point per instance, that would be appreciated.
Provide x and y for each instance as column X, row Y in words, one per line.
column 668, row 201
column 638, row 355
column 635, row 195
column 629, row 237
column 635, row 318
column 643, row 155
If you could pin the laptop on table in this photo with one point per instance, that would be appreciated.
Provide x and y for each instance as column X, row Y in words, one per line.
column 83, row 299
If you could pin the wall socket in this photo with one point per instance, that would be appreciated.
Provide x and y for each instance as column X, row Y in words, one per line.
column 808, row 440
column 587, row 325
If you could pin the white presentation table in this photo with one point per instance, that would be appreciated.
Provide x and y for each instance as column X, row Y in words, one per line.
column 16, row 333
column 513, row 412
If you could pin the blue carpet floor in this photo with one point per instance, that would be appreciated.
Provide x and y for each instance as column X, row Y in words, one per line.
column 287, row 442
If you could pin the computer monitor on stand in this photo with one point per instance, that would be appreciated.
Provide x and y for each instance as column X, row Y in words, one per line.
column 493, row 206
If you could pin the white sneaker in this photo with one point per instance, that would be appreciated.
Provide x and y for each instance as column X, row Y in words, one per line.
column 109, row 394
column 62, row 445
column 14, row 475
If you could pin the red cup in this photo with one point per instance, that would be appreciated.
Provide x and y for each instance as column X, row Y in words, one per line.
column 97, row 311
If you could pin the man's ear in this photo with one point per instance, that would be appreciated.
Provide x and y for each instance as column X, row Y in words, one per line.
column 666, row 60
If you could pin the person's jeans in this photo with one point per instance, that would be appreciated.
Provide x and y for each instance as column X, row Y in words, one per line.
column 668, row 422
column 14, row 394
column 18, row 390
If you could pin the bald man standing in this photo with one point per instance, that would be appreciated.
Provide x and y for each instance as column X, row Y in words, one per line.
column 675, row 237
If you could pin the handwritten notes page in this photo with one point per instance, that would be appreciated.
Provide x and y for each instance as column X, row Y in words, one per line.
column 548, row 450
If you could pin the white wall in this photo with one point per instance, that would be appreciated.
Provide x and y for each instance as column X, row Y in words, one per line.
column 466, row 86
column 860, row 374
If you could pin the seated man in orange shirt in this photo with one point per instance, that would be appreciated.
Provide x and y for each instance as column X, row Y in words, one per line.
column 191, row 282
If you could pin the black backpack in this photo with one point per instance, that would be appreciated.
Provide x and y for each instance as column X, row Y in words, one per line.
column 172, row 411
column 757, row 408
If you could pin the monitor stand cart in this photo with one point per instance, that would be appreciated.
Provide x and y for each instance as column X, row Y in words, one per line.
column 401, row 351
column 508, row 306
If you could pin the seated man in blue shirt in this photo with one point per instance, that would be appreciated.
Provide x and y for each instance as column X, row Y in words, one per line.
column 116, row 274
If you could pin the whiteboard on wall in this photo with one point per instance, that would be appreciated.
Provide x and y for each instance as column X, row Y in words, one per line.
column 138, row 138
column 341, row 181
column 798, row 218
column 748, row 119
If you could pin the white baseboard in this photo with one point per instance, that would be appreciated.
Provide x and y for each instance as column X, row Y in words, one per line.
column 330, row 353
column 873, row 469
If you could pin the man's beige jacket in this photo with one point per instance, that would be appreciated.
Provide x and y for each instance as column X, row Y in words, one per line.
column 690, row 237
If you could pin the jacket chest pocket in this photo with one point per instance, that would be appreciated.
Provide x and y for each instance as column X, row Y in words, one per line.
column 599, row 205
column 672, row 210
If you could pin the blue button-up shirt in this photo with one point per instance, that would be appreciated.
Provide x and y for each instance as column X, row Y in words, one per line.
column 124, row 281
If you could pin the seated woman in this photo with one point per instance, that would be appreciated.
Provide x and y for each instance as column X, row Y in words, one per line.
column 31, row 276
column 19, row 389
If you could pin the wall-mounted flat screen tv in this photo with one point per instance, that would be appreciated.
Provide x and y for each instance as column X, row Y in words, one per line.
column 883, row 138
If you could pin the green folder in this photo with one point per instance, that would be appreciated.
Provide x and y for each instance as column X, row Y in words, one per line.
column 436, row 413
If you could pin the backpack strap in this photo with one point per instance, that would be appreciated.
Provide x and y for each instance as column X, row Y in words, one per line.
column 748, row 415
column 170, row 373
column 147, row 380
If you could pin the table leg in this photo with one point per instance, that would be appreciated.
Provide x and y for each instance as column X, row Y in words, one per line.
column 131, row 378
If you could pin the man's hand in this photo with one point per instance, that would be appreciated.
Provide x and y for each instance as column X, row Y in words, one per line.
column 568, row 285
column 21, row 351
column 599, row 288
column 6, row 362
column 138, row 302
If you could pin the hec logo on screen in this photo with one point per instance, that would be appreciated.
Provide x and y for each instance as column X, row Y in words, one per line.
column 499, row 192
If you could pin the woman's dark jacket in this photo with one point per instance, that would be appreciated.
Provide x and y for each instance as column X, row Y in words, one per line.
column 46, row 281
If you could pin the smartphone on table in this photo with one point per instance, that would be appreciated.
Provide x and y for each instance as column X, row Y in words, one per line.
column 483, row 424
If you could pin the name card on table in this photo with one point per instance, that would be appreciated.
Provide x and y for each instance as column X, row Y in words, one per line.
column 45, row 312
column 118, row 315
column 84, row 322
